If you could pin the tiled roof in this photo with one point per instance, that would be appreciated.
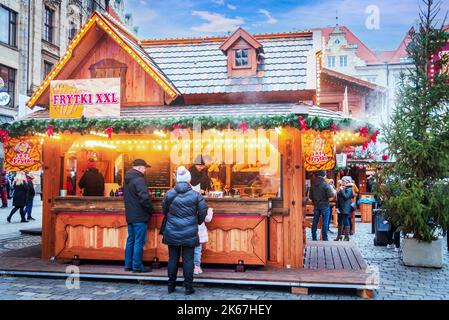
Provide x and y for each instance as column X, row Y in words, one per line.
column 236, row 110
column 201, row 67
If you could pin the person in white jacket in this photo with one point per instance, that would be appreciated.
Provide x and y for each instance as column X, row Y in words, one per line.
column 204, row 237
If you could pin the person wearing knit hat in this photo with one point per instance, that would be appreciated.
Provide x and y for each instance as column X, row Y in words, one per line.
column 184, row 210
column 183, row 175
column 92, row 181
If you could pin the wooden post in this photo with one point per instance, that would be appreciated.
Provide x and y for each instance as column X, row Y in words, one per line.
column 51, row 166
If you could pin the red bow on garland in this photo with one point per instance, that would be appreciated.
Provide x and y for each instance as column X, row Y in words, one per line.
column 50, row 130
column 363, row 132
column 341, row 172
column 4, row 136
column 109, row 131
column 243, row 126
column 302, row 124
column 176, row 129
column 385, row 157
column 374, row 136
column 334, row 127
column 365, row 146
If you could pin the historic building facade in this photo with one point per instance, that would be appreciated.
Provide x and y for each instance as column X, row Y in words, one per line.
column 347, row 54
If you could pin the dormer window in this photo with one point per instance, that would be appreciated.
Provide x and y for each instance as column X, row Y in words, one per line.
column 241, row 57
column 242, row 51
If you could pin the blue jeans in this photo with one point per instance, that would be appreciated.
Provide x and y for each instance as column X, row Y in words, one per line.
column 197, row 255
column 28, row 209
column 137, row 235
column 317, row 213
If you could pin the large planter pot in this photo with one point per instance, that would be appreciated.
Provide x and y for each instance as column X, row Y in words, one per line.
column 423, row 254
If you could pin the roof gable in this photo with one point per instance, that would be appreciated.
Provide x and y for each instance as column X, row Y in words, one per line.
column 240, row 33
column 129, row 44
column 363, row 52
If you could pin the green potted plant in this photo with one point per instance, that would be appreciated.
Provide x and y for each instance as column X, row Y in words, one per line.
column 416, row 191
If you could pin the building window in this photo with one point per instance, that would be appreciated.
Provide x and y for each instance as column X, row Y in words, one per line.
column 8, row 26
column 343, row 61
column 241, row 57
column 7, row 84
column 48, row 25
column 331, row 62
column 371, row 79
column 73, row 30
column 92, row 5
column 47, row 68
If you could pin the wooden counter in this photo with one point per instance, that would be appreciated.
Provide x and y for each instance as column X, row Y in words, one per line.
column 95, row 228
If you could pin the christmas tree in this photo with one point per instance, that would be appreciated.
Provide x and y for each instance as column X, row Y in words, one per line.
column 416, row 189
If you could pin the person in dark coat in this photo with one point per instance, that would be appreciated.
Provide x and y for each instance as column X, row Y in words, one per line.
column 344, row 201
column 30, row 197
column 320, row 192
column 138, row 210
column 184, row 210
column 20, row 186
column 199, row 173
column 92, row 181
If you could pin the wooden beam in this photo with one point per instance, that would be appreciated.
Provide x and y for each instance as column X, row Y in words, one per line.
column 300, row 290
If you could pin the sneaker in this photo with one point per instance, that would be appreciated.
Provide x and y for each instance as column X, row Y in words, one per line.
column 197, row 270
column 24, row 221
column 190, row 291
column 171, row 289
column 396, row 249
column 390, row 246
column 144, row 270
column 30, row 218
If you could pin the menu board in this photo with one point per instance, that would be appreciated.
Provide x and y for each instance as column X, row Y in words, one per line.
column 158, row 176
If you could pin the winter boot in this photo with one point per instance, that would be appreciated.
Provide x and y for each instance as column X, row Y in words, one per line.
column 346, row 234
column 340, row 231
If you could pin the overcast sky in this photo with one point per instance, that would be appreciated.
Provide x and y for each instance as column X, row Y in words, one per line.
column 380, row 24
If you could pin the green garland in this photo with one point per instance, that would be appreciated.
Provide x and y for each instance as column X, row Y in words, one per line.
column 134, row 125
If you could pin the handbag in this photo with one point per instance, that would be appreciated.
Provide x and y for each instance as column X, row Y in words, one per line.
column 164, row 220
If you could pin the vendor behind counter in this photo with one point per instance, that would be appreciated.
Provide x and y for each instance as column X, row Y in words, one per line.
column 199, row 173
column 92, row 181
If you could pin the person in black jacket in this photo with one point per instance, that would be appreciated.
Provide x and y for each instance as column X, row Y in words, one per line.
column 344, row 201
column 320, row 192
column 20, row 186
column 138, row 210
column 184, row 210
column 92, row 181
column 199, row 173
column 30, row 197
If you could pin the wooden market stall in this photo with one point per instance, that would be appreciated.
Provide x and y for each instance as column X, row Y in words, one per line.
column 113, row 98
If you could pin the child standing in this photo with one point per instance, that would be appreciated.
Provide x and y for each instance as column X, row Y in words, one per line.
column 202, row 233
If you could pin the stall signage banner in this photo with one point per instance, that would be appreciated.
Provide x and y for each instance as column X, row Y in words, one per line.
column 91, row 98
column 341, row 160
column 318, row 150
column 22, row 155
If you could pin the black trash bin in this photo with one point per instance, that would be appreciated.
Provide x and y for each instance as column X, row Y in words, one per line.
column 382, row 228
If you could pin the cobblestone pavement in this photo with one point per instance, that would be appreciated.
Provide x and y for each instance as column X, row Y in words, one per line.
column 10, row 230
column 396, row 282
